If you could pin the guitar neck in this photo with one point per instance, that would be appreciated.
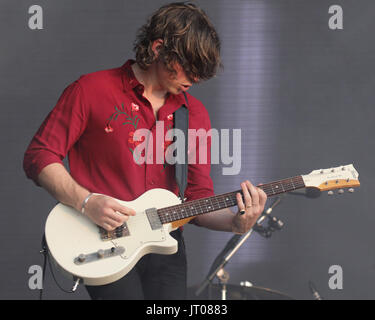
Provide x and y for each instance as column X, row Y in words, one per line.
column 205, row 205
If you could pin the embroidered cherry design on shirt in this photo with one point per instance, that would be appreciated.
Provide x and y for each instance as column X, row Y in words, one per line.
column 108, row 128
column 133, row 141
column 132, row 120
column 135, row 107
column 129, row 119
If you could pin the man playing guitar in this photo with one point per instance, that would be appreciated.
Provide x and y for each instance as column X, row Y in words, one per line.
column 95, row 123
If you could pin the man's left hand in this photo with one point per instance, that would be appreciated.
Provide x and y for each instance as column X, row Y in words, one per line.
column 250, row 207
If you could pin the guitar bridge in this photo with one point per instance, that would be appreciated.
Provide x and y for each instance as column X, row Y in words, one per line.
column 119, row 232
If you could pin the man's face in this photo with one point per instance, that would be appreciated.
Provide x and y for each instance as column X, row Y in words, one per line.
column 174, row 83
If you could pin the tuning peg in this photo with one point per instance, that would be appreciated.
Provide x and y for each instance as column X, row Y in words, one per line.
column 351, row 190
column 341, row 191
column 330, row 193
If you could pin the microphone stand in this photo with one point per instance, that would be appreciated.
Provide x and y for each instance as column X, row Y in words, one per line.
column 217, row 268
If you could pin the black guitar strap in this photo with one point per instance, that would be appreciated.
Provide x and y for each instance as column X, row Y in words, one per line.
column 181, row 121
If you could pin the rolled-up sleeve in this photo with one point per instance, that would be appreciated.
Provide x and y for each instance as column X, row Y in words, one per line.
column 58, row 132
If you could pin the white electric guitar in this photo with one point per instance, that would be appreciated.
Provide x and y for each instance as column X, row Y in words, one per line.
column 85, row 251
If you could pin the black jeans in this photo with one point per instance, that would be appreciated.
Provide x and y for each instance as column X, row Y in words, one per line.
column 155, row 277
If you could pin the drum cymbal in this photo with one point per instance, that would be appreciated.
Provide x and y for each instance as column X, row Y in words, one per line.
column 237, row 292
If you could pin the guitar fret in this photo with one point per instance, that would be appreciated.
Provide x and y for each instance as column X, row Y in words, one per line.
column 266, row 189
column 282, row 186
column 294, row 188
column 202, row 205
column 219, row 205
column 292, row 184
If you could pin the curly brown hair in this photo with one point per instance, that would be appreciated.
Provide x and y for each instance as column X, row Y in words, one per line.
column 189, row 39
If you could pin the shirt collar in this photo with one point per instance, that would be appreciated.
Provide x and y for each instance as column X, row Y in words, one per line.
column 130, row 82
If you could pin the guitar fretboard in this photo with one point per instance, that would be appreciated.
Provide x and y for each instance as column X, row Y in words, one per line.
column 226, row 200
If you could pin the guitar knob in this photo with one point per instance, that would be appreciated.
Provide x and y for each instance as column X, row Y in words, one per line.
column 330, row 193
column 341, row 191
column 81, row 257
column 100, row 253
column 351, row 190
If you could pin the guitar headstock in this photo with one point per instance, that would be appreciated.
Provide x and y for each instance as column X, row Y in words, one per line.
column 333, row 178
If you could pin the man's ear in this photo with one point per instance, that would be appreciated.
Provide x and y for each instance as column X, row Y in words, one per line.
column 156, row 46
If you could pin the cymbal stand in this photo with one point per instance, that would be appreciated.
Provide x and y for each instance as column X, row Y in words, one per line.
column 223, row 278
column 217, row 268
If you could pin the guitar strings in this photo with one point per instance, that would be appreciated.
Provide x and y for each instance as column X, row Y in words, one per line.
column 185, row 210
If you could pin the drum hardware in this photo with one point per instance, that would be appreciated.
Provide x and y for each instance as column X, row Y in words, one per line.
column 238, row 292
column 314, row 291
column 217, row 268
column 223, row 278
column 246, row 289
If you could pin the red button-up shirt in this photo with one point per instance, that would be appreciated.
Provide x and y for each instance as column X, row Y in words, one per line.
column 94, row 122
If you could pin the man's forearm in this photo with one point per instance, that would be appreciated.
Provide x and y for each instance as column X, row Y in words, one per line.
column 61, row 185
column 220, row 220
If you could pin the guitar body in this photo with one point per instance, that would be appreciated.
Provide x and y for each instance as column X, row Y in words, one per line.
column 70, row 234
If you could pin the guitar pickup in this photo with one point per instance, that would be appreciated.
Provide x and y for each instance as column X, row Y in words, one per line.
column 153, row 218
column 119, row 232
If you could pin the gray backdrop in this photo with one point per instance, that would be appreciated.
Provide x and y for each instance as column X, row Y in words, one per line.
column 301, row 93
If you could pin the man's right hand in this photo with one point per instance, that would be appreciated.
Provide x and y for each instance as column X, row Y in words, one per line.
column 107, row 212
